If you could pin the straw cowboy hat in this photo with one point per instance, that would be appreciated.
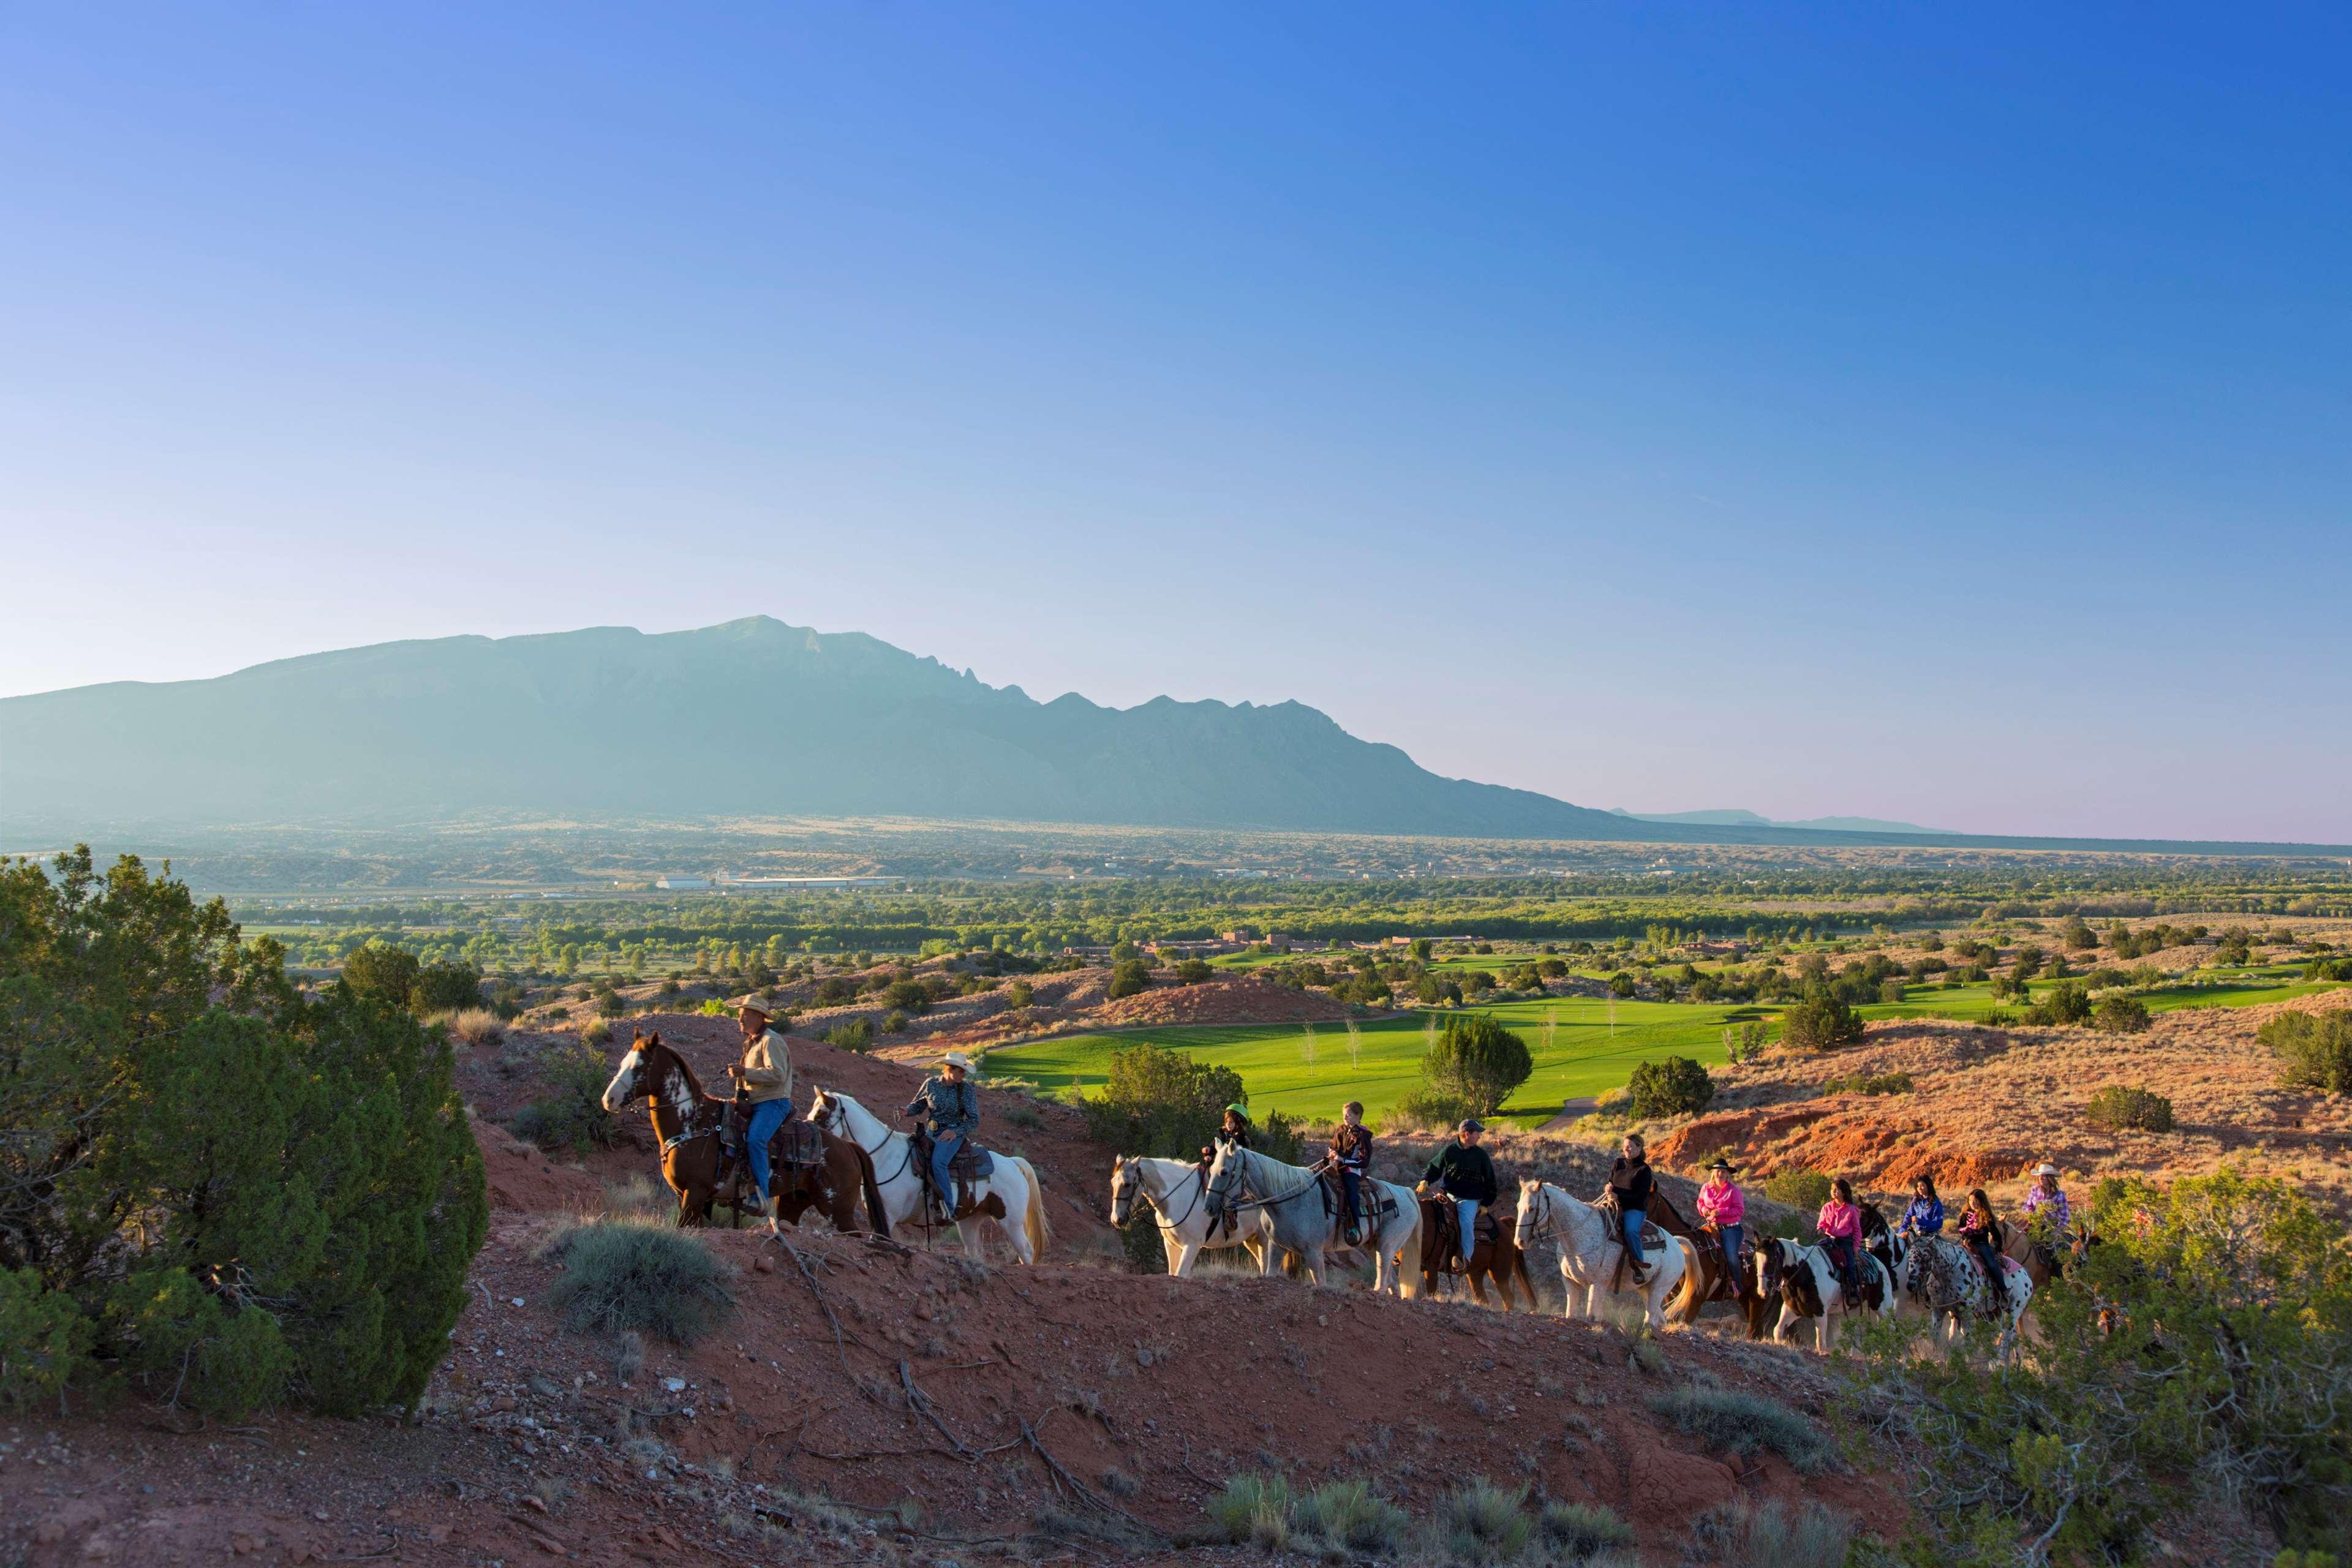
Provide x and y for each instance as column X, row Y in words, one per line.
column 2045, row 1169
column 752, row 1004
column 956, row 1059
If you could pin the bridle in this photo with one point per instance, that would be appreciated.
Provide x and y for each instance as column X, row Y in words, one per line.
column 1541, row 1227
column 1220, row 1205
column 1132, row 1168
column 833, row 1113
column 645, row 1086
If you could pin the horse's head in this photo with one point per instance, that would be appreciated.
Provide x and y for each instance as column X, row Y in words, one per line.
column 1531, row 1205
column 1772, row 1263
column 1227, row 1173
column 1126, row 1186
column 635, row 1079
column 825, row 1111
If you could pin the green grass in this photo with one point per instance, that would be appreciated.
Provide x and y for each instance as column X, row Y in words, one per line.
column 1589, row 1053
column 1587, row 1056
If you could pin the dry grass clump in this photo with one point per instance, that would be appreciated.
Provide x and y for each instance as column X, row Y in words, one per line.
column 476, row 1025
column 1742, row 1535
column 1737, row 1423
column 638, row 1274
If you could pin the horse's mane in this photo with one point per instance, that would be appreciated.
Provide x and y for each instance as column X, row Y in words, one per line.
column 1658, row 1199
column 693, row 1083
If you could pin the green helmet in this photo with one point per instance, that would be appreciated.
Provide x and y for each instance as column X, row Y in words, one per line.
column 1238, row 1108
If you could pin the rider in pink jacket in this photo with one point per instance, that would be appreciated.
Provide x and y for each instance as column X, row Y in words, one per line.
column 1722, row 1206
column 1839, row 1225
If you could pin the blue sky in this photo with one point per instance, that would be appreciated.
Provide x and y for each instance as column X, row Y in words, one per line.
column 1927, row 411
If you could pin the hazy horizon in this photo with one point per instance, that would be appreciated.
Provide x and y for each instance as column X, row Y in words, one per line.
column 1936, row 417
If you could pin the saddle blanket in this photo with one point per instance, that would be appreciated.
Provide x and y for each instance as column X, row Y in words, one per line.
column 971, row 1162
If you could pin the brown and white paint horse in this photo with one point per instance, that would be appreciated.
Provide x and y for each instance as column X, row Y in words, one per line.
column 687, row 1122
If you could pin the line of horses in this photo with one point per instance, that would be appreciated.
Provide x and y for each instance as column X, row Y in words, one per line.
column 1289, row 1217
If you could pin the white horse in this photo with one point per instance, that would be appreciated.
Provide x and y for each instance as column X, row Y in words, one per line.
column 1291, row 1216
column 1180, row 1203
column 1589, row 1248
column 1809, row 1287
column 1941, row 1282
column 1012, row 1183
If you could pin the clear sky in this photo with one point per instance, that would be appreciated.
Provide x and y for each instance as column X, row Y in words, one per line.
column 1932, row 412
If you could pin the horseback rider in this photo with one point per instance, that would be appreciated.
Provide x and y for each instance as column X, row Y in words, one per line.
column 1631, row 1182
column 1234, row 1129
column 1351, row 1152
column 2044, row 1197
column 763, row 1079
column 949, row 1109
column 1981, row 1228
column 1721, row 1209
column 1924, row 1217
column 1839, row 1225
column 1465, row 1174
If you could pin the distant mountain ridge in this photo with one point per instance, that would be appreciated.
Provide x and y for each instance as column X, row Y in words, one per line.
column 756, row 718
column 1735, row 817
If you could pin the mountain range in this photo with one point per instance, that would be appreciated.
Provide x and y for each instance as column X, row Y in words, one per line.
column 754, row 718
column 1735, row 817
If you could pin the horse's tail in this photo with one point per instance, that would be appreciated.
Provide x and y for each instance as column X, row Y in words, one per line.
column 875, row 1212
column 1033, row 1218
column 1685, row 1307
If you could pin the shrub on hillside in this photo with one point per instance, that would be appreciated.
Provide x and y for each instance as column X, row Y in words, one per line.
column 1427, row 1109
column 1581, row 1531
column 1477, row 1060
column 2226, row 1363
column 1162, row 1102
column 2315, row 1050
column 1128, row 977
column 852, row 1035
column 908, row 996
column 1820, row 1022
column 2120, row 1015
column 570, row 1114
column 476, row 1027
column 1743, row 1535
column 895, row 1022
column 2066, row 1003
column 640, row 1274
column 245, row 1198
column 1019, row 994
column 444, row 987
column 1193, row 971
column 1480, row 1522
column 1742, row 1424
column 2116, row 1108
column 1675, row 1087
column 1896, row 1082
column 382, row 973
column 1804, row 1190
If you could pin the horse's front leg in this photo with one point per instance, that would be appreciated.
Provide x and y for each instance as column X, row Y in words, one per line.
column 1269, row 1256
column 1183, row 1253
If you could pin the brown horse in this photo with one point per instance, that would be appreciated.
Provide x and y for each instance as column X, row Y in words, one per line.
column 1714, row 1279
column 1499, row 1260
column 687, row 1122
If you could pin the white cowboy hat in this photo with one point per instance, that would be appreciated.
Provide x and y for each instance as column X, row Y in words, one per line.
column 754, row 1004
column 956, row 1059
column 2045, row 1169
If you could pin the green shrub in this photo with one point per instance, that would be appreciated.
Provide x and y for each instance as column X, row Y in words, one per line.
column 1806, row 1190
column 1019, row 994
column 284, row 1193
column 1736, row 1422
column 2065, row 1004
column 855, row 1035
column 1869, row 1083
column 1162, row 1102
column 908, row 996
column 895, row 1022
column 382, row 973
column 2226, row 1363
column 2315, row 1050
column 638, row 1274
column 1820, row 1022
column 570, row 1114
column 2121, row 1016
column 1128, row 977
column 1675, row 1087
column 1742, row 1534
column 444, row 987
column 43, row 1337
column 1193, row 971
column 1428, row 1110
column 476, row 1027
column 1477, row 1060
column 1480, row 1522
column 1252, row 1508
column 597, row 1034
column 1349, row 1518
column 2116, row 1108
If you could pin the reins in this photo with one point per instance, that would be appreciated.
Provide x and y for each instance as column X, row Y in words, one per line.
column 1242, row 1199
column 846, row 1132
column 1159, row 1210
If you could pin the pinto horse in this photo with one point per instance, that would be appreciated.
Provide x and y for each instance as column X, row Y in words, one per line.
column 687, row 1122
column 1500, row 1259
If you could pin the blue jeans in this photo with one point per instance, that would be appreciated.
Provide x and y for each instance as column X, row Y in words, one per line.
column 1466, row 1209
column 1634, row 1220
column 766, row 1116
column 1730, row 1237
column 943, row 1149
column 1351, row 1185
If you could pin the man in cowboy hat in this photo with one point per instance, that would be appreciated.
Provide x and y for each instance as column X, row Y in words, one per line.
column 764, row 1080
column 950, row 1109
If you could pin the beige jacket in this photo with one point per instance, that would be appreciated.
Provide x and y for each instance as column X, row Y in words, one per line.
column 767, row 1069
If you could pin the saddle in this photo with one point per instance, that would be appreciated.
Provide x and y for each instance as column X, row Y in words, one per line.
column 969, row 1163
column 796, row 1143
column 1375, row 1204
column 1444, row 1222
column 1653, row 1241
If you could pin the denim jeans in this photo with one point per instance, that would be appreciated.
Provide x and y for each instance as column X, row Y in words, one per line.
column 766, row 1116
column 1466, row 1209
column 1351, row 1185
column 1730, row 1237
column 1634, row 1220
column 943, row 1149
